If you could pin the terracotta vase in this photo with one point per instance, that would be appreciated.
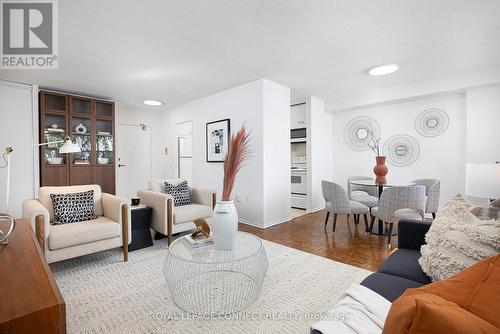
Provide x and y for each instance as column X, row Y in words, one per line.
column 380, row 170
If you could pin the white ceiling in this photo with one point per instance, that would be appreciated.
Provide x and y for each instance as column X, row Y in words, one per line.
column 178, row 51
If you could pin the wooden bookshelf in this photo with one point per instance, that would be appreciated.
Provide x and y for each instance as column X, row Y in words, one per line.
column 89, row 122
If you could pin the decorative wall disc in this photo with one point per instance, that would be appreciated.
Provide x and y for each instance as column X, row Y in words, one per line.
column 432, row 122
column 401, row 150
column 357, row 132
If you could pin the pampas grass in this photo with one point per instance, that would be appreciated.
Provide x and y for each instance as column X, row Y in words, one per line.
column 237, row 152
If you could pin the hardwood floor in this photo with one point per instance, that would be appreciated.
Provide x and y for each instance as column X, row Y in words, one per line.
column 350, row 244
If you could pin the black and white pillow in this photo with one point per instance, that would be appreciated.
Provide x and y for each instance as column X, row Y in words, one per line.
column 72, row 208
column 179, row 192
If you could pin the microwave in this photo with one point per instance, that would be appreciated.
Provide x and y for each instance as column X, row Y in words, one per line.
column 298, row 134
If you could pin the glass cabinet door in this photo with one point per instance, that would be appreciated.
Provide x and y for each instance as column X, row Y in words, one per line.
column 81, row 134
column 103, row 108
column 55, row 102
column 54, row 129
column 81, row 106
column 104, row 142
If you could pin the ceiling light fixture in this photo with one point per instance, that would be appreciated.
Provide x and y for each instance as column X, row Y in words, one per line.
column 383, row 69
column 153, row 102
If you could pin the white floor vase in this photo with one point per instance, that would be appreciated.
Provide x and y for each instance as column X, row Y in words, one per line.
column 224, row 224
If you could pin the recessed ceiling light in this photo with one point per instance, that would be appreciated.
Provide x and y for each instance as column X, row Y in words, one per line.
column 153, row 102
column 383, row 69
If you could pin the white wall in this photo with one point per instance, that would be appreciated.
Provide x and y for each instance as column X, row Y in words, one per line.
column 17, row 129
column 320, row 146
column 276, row 151
column 441, row 157
column 483, row 124
column 242, row 104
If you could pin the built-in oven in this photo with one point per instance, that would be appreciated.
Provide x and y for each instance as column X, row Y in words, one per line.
column 299, row 181
column 298, row 135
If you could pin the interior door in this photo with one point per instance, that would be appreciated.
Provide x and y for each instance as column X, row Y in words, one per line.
column 17, row 130
column 134, row 159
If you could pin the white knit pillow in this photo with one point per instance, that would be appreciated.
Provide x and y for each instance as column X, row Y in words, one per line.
column 456, row 240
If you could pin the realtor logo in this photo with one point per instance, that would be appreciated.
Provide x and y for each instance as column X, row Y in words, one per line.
column 29, row 34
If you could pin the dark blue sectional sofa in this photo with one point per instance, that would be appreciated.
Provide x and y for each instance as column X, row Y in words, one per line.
column 401, row 269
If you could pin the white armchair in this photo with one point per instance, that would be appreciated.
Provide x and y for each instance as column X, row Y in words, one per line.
column 169, row 219
column 111, row 229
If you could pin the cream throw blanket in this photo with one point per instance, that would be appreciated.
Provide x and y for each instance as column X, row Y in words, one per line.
column 360, row 310
column 457, row 239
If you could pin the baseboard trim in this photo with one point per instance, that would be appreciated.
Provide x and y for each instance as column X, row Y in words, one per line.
column 280, row 221
column 250, row 223
column 276, row 222
column 316, row 209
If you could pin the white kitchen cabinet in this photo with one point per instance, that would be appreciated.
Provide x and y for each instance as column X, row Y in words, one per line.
column 298, row 116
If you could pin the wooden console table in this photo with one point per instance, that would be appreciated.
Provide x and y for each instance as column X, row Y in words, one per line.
column 31, row 300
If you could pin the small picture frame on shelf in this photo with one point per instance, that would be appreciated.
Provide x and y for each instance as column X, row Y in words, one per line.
column 217, row 135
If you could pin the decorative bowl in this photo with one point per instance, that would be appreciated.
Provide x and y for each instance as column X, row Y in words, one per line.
column 102, row 161
column 80, row 128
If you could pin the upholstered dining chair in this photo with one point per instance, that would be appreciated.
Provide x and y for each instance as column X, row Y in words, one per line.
column 432, row 192
column 363, row 194
column 399, row 203
column 338, row 203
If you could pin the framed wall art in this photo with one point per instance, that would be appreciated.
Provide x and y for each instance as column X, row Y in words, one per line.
column 217, row 135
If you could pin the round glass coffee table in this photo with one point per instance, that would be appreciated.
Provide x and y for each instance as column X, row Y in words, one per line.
column 209, row 281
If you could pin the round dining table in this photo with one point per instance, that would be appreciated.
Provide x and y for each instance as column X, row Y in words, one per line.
column 381, row 186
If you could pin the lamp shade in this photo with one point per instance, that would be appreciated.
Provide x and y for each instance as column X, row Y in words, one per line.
column 69, row 147
column 483, row 180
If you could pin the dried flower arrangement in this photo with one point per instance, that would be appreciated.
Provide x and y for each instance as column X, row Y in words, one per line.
column 237, row 153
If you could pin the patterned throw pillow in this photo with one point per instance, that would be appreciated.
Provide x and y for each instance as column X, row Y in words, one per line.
column 72, row 208
column 179, row 192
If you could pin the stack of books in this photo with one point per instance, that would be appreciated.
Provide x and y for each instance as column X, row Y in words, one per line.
column 199, row 241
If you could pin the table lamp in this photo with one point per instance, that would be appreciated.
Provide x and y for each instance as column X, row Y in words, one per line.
column 483, row 180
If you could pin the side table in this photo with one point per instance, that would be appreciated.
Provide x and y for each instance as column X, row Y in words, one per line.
column 140, row 217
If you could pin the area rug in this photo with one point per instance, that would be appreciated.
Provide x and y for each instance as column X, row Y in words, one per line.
column 103, row 294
